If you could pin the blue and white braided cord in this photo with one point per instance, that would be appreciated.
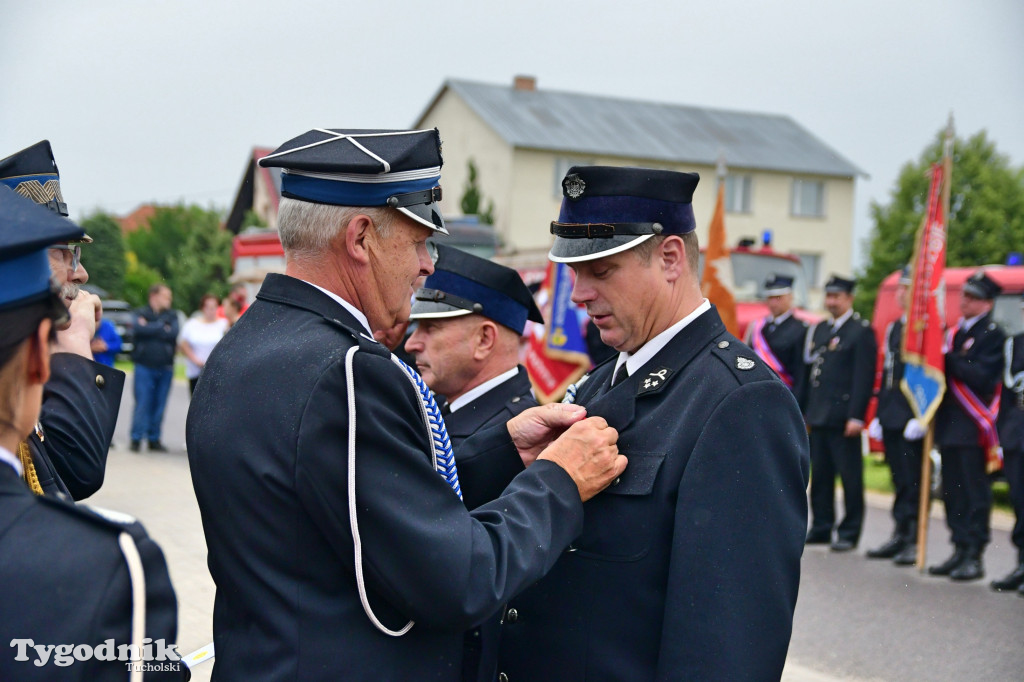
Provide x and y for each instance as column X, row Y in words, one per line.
column 444, row 458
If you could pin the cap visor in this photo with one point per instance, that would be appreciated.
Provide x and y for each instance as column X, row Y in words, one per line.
column 431, row 309
column 426, row 214
column 567, row 250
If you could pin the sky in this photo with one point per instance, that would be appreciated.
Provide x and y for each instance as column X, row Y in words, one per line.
column 160, row 101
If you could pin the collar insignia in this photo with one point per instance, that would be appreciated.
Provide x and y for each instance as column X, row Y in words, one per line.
column 744, row 363
column 655, row 381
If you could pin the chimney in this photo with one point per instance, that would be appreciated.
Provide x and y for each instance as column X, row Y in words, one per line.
column 525, row 83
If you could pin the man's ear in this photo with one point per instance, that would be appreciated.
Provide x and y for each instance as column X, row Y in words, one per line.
column 672, row 252
column 355, row 237
column 38, row 365
column 486, row 338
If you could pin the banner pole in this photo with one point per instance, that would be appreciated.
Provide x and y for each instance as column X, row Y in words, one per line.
column 925, row 498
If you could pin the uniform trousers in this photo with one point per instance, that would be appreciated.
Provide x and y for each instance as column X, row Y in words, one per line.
column 1013, row 468
column 904, row 459
column 967, row 494
column 832, row 453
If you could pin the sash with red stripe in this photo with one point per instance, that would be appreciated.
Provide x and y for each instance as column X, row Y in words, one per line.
column 762, row 348
column 984, row 416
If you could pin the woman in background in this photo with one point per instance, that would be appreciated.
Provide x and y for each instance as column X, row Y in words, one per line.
column 198, row 337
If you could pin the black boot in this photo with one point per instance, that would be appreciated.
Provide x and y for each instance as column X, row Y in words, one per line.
column 1011, row 582
column 950, row 564
column 970, row 568
column 891, row 548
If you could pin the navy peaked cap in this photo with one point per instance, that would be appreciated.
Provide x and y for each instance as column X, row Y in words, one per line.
column 462, row 284
column 33, row 174
column 396, row 168
column 608, row 209
column 777, row 285
column 839, row 285
column 26, row 231
column 980, row 285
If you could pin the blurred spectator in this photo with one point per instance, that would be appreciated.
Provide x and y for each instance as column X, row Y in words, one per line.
column 230, row 310
column 240, row 295
column 156, row 335
column 106, row 344
column 198, row 337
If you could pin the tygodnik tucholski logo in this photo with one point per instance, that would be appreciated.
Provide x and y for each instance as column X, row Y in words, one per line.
column 154, row 655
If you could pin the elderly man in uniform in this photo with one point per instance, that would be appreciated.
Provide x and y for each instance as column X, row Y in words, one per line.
column 67, row 452
column 688, row 565
column 338, row 541
column 71, row 578
column 1011, row 438
column 965, row 427
column 778, row 338
column 901, row 436
column 841, row 352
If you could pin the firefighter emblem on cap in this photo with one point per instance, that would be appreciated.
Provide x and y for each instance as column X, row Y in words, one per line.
column 573, row 186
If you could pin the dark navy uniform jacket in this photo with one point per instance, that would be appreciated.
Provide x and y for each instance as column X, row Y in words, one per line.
column 65, row 580
column 688, row 565
column 1011, row 403
column 976, row 358
column 267, row 438
column 79, row 412
column 786, row 339
column 893, row 409
column 842, row 372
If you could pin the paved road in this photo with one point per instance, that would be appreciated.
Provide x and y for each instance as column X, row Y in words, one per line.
column 856, row 620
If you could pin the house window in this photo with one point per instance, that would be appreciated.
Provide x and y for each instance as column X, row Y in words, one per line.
column 562, row 166
column 737, row 193
column 808, row 198
column 811, row 263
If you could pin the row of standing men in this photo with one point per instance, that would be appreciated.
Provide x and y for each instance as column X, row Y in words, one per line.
column 832, row 368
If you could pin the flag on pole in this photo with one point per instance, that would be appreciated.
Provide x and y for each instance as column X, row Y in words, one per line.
column 924, row 376
column 716, row 262
column 557, row 353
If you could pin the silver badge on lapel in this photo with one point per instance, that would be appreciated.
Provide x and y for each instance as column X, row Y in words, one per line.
column 574, row 186
column 654, row 381
column 744, row 363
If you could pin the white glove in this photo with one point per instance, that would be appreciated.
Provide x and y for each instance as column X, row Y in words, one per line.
column 914, row 430
column 875, row 430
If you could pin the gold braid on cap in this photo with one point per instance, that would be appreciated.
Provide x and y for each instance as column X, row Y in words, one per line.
column 31, row 478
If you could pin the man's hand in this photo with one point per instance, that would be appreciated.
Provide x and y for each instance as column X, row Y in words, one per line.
column 85, row 312
column 589, row 453
column 534, row 429
column 853, row 428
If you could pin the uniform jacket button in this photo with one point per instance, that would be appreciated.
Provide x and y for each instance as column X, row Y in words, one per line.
column 100, row 381
column 512, row 615
column 618, row 480
column 502, row 677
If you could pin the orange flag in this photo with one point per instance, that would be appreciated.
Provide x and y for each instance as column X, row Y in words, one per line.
column 716, row 256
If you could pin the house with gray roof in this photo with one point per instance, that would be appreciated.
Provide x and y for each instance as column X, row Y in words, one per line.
column 781, row 179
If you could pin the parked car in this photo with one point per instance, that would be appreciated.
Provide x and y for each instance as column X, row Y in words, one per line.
column 120, row 313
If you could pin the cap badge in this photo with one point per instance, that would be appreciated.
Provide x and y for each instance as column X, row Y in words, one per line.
column 574, row 186
column 744, row 363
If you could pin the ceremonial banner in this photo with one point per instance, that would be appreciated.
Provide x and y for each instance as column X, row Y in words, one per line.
column 557, row 352
column 924, row 377
column 716, row 258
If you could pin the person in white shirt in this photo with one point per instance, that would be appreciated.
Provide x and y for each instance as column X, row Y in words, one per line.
column 198, row 338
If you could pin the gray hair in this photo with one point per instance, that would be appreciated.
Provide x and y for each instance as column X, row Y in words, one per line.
column 307, row 228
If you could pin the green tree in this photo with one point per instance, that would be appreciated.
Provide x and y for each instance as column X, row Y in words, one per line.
column 137, row 280
column 473, row 199
column 104, row 258
column 986, row 216
column 183, row 246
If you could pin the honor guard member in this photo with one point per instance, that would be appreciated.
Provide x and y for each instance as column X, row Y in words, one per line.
column 338, row 541
column 965, row 426
column 70, row 577
column 901, row 436
column 67, row 452
column 688, row 565
column 841, row 353
column 1011, row 438
column 470, row 316
column 778, row 338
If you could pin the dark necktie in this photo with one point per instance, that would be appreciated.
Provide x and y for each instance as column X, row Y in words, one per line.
column 620, row 375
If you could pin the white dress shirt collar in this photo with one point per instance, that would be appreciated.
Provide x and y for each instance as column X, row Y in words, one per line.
column 634, row 361
column 474, row 393
column 8, row 457
column 356, row 313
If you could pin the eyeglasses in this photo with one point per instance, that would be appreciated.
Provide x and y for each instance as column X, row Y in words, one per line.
column 76, row 254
